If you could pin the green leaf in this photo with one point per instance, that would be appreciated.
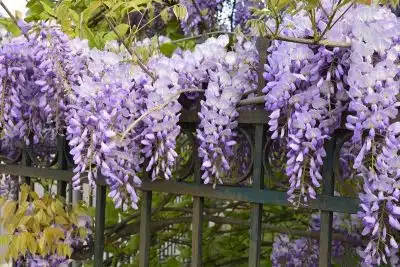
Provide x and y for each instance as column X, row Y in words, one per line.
column 10, row 26
column 110, row 37
column 122, row 29
column 48, row 8
column 112, row 214
column 88, row 34
column 87, row 13
column 168, row 49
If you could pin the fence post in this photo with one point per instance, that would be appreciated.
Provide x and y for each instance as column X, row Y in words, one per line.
column 62, row 164
column 197, row 219
column 257, row 209
column 145, row 220
column 99, row 225
column 325, row 239
column 26, row 162
column 258, row 169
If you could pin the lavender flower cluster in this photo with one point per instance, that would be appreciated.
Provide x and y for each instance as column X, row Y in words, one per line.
column 228, row 80
column 35, row 75
column 304, row 251
column 111, row 96
column 8, row 187
column 305, row 86
column 106, row 100
column 243, row 12
column 308, row 89
column 201, row 14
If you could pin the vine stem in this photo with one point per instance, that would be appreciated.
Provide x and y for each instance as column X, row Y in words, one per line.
column 14, row 19
column 130, row 51
column 200, row 36
column 157, row 108
column 326, row 43
column 249, row 101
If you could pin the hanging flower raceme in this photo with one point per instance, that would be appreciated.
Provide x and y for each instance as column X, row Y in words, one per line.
column 36, row 75
column 161, row 126
column 228, row 79
column 107, row 100
column 302, row 86
column 307, row 96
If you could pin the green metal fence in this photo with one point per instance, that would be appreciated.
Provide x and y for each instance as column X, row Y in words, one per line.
column 255, row 122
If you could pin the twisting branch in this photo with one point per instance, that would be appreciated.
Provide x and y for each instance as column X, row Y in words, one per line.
column 252, row 101
column 13, row 18
column 200, row 36
column 157, row 108
column 130, row 51
column 326, row 43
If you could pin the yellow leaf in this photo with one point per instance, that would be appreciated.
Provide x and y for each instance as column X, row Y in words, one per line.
column 25, row 220
column 2, row 201
column 34, row 195
column 22, row 208
column 12, row 252
column 11, row 224
column 35, row 227
column 82, row 232
column 61, row 220
column 4, row 240
column 20, row 243
column 24, row 192
column 9, row 208
column 39, row 204
column 53, row 234
column 164, row 15
column 30, row 243
column 68, row 250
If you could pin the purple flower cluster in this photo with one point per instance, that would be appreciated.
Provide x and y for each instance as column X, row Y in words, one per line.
column 111, row 96
column 373, row 79
column 304, row 251
column 161, row 127
column 309, row 87
column 200, row 14
column 35, row 76
column 105, row 102
column 243, row 13
column 305, row 85
column 229, row 76
column 9, row 187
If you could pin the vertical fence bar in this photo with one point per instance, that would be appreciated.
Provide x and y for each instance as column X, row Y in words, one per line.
column 197, row 219
column 258, row 169
column 325, row 238
column 256, row 209
column 99, row 225
column 62, row 164
column 26, row 161
column 145, row 219
column 76, row 197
